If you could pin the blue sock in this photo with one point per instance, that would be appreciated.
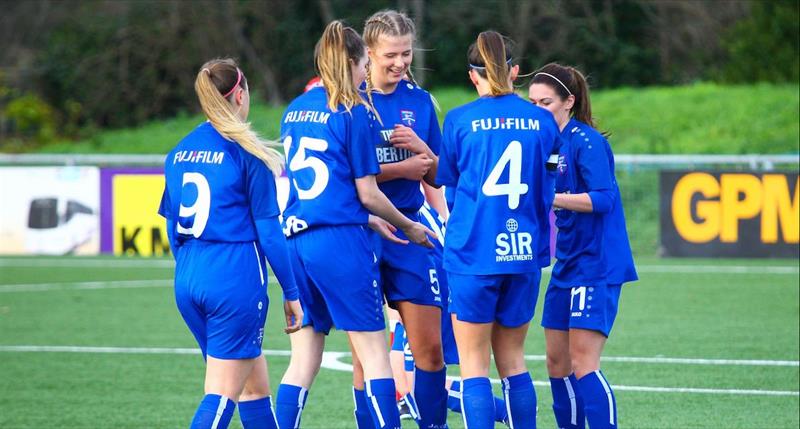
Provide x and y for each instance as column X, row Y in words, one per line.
column 454, row 397
column 520, row 401
column 477, row 403
column 257, row 414
column 381, row 403
column 599, row 403
column 412, row 406
column 431, row 397
column 289, row 405
column 567, row 403
column 454, row 402
column 214, row 411
column 361, row 410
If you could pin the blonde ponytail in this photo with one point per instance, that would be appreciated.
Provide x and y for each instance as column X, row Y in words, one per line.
column 338, row 46
column 223, row 76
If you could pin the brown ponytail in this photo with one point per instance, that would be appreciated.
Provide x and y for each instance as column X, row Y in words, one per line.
column 490, row 57
column 220, row 77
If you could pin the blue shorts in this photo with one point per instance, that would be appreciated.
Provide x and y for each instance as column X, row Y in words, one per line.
column 221, row 292
column 337, row 276
column 407, row 270
column 584, row 307
column 508, row 299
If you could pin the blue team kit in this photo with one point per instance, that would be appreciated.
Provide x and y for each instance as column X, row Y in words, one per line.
column 330, row 248
column 405, row 270
column 592, row 249
column 214, row 190
column 494, row 244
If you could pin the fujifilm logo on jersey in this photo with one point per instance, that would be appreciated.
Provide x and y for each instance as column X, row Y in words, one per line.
column 489, row 124
column 307, row 116
column 199, row 156
column 514, row 245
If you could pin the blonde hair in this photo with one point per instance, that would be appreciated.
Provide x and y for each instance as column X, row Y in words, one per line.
column 338, row 46
column 222, row 76
column 394, row 24
column 490, row 57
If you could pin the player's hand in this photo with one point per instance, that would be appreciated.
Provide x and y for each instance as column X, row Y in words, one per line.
column 405, row 138
column 416, row 167
column 418, row 234
column 294, row 316
column 385, row 229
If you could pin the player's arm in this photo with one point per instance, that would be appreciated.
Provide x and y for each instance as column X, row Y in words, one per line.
column 165, row 211
column 593, row 166
column 414, row 168
column 376, row 202
column 435, row 197
column 406, row 138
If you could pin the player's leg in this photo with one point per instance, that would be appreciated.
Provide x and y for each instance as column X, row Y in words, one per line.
column 224, row 381
column 402, row 363
column 590, row 325
column 567, row 400
column 515, row 308
column 508, row 344
column 255, row 401
column 361, row 412
column 477, row 403
column 372, row 352
column 307, row 346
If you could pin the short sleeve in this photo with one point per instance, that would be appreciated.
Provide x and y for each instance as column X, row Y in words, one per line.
column 361, row 144
column 593, row 164
column 164, row 208
column 447, row 172
column 434, row 133
column 261, row 190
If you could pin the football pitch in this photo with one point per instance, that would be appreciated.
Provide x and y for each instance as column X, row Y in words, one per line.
column 98, row 343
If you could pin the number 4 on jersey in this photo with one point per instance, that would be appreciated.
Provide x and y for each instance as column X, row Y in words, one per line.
column 512, row 157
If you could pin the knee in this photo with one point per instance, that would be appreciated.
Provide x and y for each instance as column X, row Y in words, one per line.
column 558, row 365
column 250, row 393
column 583, row 362
column 509, row 367
column 429, row 357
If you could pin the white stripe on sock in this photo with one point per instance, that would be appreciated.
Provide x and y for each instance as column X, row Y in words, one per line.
column 506, row 391
column 454, row 394
column 355, row 407
column 223, row 402
column 301, row 402
column 573, row 406
column 272, row 411
column 608, row 395
column 377, row 409
column 412, row 406
column 463, row 410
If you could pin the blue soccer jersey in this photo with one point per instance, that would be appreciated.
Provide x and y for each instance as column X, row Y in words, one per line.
column 413, row 107
column 591, row 248
column 215, row 190
column 326, row 152
column 494, row 152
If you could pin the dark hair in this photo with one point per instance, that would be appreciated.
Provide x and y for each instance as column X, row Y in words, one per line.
column 490, row 56
column 566, row 81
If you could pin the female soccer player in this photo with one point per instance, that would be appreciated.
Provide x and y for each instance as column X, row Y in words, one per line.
column 592, row 250
column 332, row 166
column 494, row 152
column 222, row 219
column 409, row 141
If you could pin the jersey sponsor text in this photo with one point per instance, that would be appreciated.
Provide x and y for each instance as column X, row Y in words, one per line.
column 307, row 116
column 198, row 156
column 489, row 124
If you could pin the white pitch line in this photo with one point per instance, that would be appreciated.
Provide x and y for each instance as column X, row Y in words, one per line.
column 95, row 285
column 332, row 360
column 80, row 262
column 687, row 361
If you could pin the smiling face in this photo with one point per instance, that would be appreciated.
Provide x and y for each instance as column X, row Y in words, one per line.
column 390, row 59
column 545, row 96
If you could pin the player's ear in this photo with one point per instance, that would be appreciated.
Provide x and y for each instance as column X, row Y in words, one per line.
column 569, row 102
column 514, row 72
column 472, row 77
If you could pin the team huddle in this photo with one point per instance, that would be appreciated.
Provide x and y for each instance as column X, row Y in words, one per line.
column 447, row 227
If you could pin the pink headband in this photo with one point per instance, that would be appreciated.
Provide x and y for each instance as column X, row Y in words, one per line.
column 238, row 79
